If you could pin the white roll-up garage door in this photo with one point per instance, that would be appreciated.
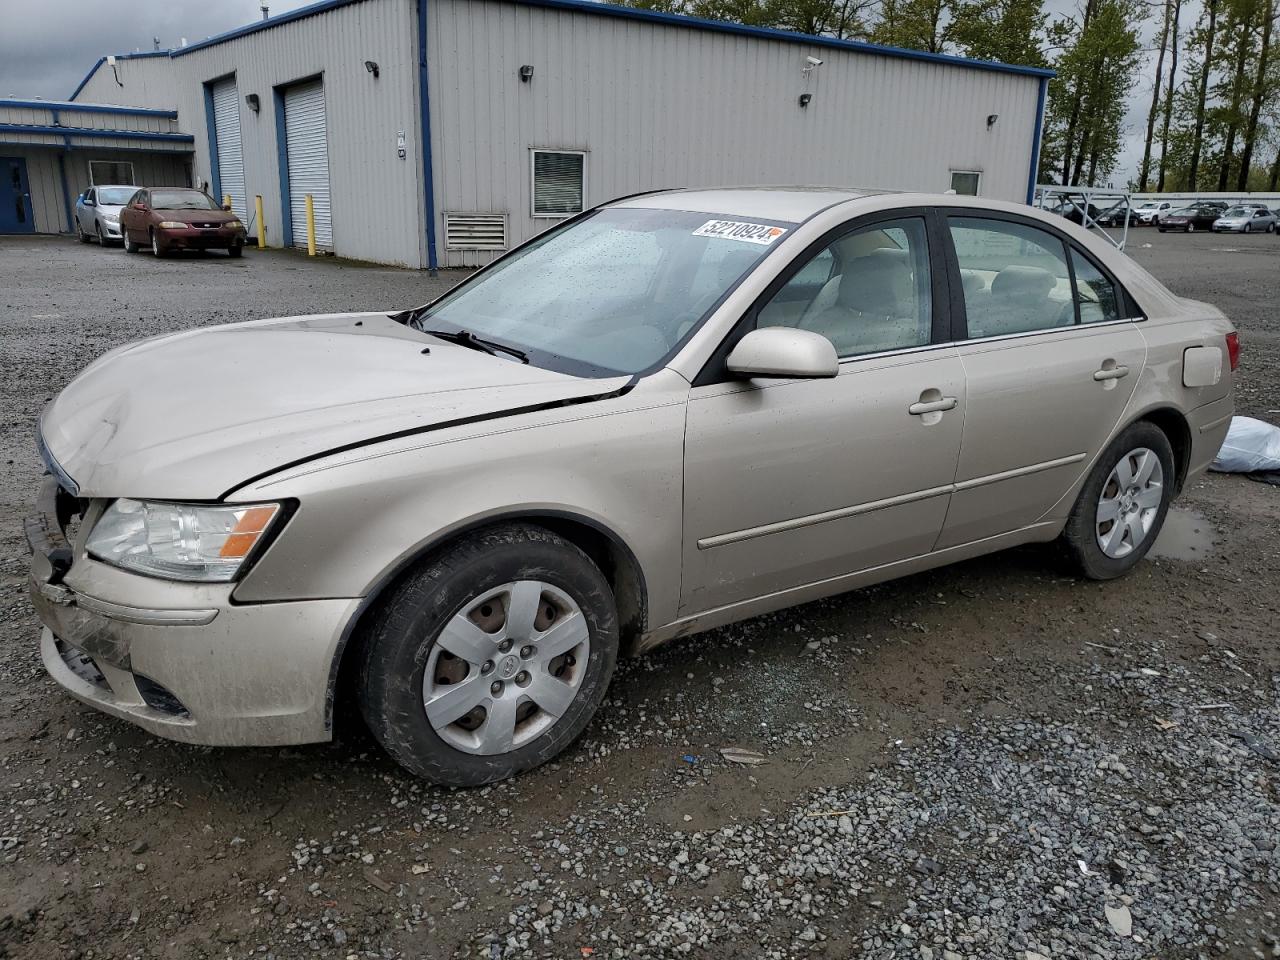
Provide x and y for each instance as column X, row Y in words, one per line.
column 308, row 156
column 226, row 130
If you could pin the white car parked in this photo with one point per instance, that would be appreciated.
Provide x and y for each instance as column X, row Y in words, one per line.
column 1151, row 211
column 98, row 212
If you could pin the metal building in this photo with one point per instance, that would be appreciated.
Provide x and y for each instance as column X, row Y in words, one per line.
column 52, row 152
column 441, row 132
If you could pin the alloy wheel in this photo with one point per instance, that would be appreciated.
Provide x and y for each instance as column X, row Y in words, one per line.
column 155, row 244
column 1191, row 228
column 1129, row 503
column 506, row 667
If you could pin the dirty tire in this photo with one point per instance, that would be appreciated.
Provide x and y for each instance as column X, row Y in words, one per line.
column 1080, row 536
column 129, row 245
column 236, row 251
column 81, row 235
column 403, row 630
column 156, row 250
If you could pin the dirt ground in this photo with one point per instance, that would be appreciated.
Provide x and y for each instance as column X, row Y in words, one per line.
column 996, row 759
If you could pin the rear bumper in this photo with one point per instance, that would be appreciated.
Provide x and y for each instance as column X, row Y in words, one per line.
column 1209, row 425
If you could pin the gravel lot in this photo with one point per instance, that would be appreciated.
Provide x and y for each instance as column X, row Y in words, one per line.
column 995, row 760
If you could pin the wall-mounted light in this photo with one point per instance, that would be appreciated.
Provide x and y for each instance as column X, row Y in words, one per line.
column 372, row 68
column 991, row 119
column 526, row 73
column 804, row 99
column 254, row 104
column 111, row 62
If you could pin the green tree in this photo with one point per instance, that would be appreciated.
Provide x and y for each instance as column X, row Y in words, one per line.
column 1096, row 69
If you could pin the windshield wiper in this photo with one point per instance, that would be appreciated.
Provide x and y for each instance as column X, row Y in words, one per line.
column 465, row 338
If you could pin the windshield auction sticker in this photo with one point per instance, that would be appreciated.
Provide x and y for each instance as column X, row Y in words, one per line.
column 759, row 233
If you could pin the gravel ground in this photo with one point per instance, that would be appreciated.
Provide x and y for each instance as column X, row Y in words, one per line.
column 992, row 760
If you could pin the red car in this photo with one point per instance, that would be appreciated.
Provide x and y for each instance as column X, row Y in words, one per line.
column 175, row 218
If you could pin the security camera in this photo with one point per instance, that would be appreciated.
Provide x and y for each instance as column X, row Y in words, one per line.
column 813, row 61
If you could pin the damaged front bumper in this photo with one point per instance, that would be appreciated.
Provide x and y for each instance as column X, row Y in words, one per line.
column 181, row 660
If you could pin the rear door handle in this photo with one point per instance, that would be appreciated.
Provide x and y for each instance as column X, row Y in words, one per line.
column 922, row 407
column 1111, row 373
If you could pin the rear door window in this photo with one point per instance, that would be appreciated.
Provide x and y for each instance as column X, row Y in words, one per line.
column 1016, row 277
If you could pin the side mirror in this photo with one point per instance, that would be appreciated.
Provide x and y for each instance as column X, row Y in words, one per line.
column 784, row 352
column 140, row 206
column 226, row 207
column 89, row 203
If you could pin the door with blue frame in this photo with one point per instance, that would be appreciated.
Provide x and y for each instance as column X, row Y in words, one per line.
column 15, row 197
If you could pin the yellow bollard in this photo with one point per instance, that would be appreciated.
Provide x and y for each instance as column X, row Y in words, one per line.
column 311, row 227
column 226, row 200
column 262, row 224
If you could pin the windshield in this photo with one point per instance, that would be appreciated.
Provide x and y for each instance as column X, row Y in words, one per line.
column 181, row 200
column 1236, row 212
column 615, row 292
column 116, row 196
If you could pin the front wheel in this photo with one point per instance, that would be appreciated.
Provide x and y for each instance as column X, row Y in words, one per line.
column 1191, row 228
column 156, row 249
column 129, row 245
column 1248, row 228
column 236, row 251
column 490, row 658
column 1122, row 506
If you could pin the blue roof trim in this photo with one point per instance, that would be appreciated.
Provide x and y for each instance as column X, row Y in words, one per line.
column 768, row 33
column 88, row 108
column 628, row 13
column 101, row 134
column 280, row 20
column 119, row 56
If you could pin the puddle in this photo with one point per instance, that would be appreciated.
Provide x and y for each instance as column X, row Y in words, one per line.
column 1186, row 535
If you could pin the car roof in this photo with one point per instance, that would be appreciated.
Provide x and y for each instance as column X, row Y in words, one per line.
column 796, row 204
column 793, row 204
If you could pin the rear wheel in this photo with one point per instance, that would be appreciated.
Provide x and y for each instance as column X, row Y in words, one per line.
column 80, row 234
column 1122, row 506
column 489, row 659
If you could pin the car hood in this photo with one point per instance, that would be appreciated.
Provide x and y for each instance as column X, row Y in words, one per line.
column 195, row 216
column 194, row 415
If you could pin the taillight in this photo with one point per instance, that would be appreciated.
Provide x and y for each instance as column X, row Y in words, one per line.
column 1233, row 350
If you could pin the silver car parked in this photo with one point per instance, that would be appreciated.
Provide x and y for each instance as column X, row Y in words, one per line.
column 98, row 213
column 1246, row 219
column 669, row 413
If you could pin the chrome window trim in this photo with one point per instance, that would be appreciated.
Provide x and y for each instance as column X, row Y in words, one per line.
column 925, row 348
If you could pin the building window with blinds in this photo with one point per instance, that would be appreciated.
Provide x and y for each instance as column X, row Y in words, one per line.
column 559, row 182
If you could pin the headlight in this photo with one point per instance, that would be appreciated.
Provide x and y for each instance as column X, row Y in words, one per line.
column 181, row 541
column 172, row 224
column 233, row 224
column 111, row 217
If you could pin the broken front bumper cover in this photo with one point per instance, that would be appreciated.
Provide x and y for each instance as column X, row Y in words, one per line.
column 181, row 660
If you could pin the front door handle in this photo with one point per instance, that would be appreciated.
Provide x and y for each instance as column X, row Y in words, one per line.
column 1111, row 373
column 922, row 407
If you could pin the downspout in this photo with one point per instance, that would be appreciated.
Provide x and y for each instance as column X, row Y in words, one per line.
column 424, row 136
column 62, row 173
column 1036, row 142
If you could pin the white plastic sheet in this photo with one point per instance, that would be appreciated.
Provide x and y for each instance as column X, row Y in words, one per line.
column 1251, row 446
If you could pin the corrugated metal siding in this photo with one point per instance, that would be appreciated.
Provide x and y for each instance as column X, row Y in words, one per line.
column 376, row 196
column 226, row 127
column 659, row 106
column 155, row 169
column 308, row 153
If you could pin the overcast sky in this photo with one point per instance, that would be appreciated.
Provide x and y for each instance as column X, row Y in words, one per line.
column 47, row 46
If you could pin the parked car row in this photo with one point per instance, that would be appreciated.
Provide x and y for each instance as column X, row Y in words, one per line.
column 161, row 219
column 1168, row 215
column 1218, row 217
